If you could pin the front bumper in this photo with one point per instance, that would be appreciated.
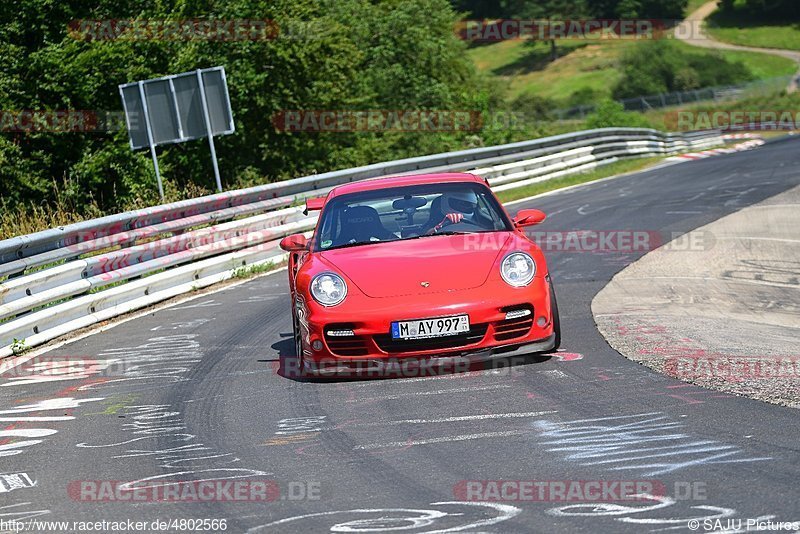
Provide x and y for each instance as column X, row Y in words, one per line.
column 370, row 321
column 424, row 366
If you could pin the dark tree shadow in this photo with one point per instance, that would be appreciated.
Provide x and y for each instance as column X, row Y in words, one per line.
column 536, row 58
column 743, row 18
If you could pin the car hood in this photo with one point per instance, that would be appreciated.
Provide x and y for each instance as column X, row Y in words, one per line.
column 445, row 263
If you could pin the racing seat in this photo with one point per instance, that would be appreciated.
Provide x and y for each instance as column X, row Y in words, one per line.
column 436, row 215
column 362, row 224
column 438, row 210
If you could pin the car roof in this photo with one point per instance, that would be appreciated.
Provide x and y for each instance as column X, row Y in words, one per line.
column 399, row 181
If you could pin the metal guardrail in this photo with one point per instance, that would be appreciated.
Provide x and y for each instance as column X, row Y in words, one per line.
column 74, row 276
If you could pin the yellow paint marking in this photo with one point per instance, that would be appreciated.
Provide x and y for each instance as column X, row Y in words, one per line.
column 289, row 440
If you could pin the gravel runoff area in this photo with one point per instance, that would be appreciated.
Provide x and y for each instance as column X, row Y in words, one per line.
column 718, row 307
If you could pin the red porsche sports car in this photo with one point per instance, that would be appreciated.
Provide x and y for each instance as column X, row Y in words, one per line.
column 423, row 267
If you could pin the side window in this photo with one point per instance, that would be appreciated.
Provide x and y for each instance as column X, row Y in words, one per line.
column 332, row 228
column 483, row 209
column 486, row 215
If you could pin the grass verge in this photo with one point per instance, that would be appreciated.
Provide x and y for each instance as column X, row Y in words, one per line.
column 762, row 66
column 248, row 271
column 586, row 71
column 664, row 119
column 524, row 67
column 740, row 26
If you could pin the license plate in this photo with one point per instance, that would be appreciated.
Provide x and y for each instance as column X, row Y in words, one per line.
column 436, row 327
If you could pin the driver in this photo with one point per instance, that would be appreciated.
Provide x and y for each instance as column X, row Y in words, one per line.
column 455, row 205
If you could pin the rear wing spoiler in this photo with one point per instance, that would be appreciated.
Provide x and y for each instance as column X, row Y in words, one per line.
column 314, row 204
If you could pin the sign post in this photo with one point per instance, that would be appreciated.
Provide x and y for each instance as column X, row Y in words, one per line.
column 150, row 140
column 178, row 108
column 207, row 122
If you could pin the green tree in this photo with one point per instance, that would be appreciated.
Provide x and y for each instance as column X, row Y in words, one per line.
column 554, row 10
column 647, row 9
column 330, row 54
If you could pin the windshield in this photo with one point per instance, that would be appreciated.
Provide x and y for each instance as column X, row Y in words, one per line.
column 410, row 212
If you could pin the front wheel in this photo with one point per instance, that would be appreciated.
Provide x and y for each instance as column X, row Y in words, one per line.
column 556, row 317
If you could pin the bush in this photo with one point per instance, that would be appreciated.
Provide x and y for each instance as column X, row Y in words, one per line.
column 583, row 96
column 612, row 114
column 663, row 67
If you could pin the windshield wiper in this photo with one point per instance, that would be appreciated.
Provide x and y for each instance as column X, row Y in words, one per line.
column 348, row 245
column 453, row 232
column 359, row 243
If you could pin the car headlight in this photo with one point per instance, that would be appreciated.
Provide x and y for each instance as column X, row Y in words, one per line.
column 328, row 289
column 518, row 269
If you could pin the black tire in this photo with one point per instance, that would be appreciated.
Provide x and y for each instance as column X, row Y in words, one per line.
column 298, row 345
column 556, row 316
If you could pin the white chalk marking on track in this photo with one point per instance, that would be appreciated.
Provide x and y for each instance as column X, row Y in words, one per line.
column 38, row 419
column 777, row 239
column 456, row 419
column 27, row 433
column 207, row 304
column 446, row 439
column 425, row 393
column 447, row 376
column 392, row 519
column 14, row 361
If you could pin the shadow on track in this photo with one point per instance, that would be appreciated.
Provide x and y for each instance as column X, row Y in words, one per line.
column 286, row 365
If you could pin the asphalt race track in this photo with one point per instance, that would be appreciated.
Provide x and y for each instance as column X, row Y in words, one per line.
column 193, row 392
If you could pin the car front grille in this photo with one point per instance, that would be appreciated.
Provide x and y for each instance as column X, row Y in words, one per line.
column 347, row 346
column 512, row 328
column 475, row 335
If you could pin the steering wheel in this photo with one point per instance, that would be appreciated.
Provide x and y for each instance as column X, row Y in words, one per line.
column 450, row 218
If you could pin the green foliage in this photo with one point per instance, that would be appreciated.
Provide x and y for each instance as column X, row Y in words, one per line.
column 629, row 9
column 18, row 346
column 584, row 96
column 786, row 10
column 248, row 271
column 333, row 54
column 534, row 107
column 610, row 113
column 761, row 24
column 608, row 9
column 663, row 66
